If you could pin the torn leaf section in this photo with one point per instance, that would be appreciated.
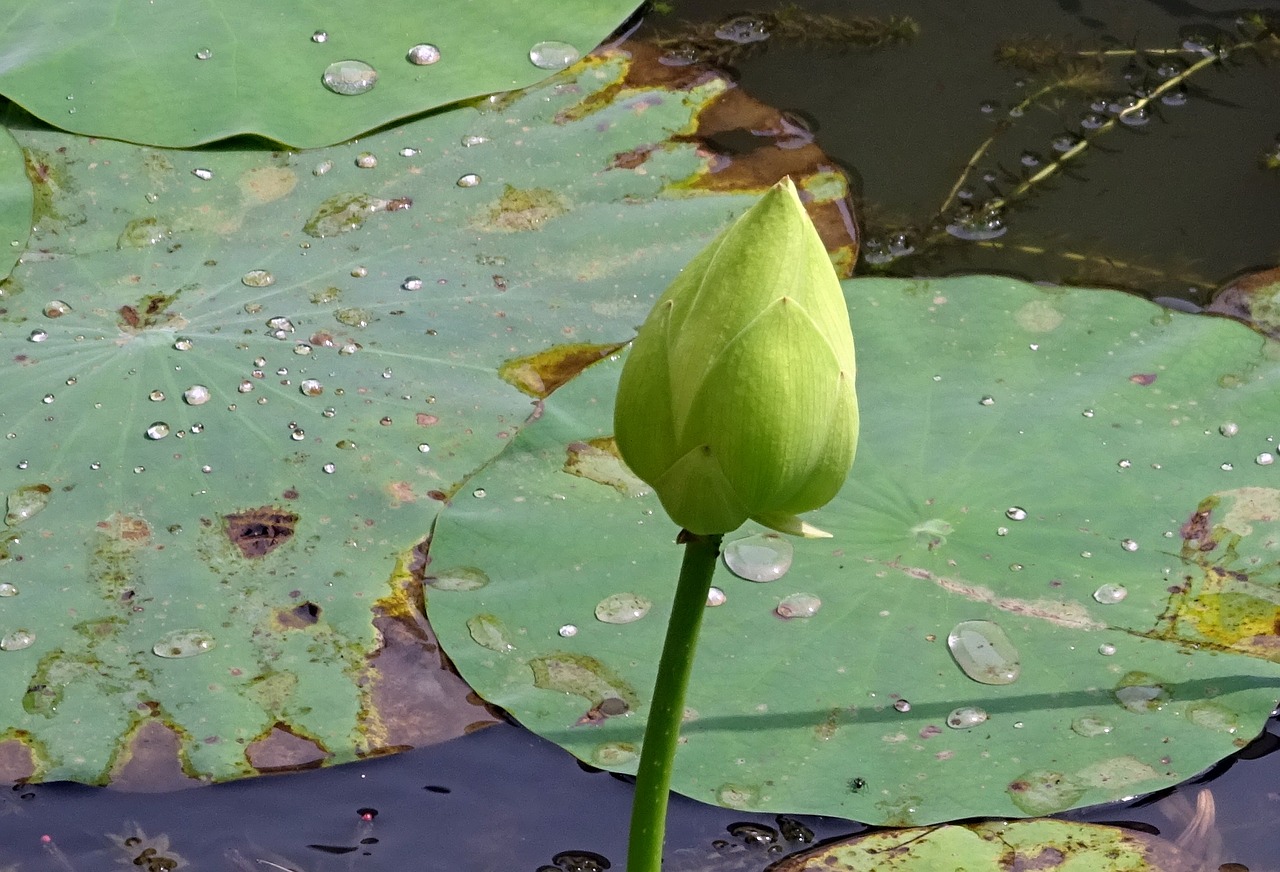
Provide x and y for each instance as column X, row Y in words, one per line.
column 598, row 460
column 258, row 532
column 540, row 374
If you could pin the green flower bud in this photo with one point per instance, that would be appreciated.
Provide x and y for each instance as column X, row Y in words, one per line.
column 737, row 398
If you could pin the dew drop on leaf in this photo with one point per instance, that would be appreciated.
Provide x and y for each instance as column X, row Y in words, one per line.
column 966, row 717
column 7, row 589
column 622, row 608
column 183, row 643
column 423, row 54
column 1015, row 513
column 552, row 55
column 203, row 174
column 798, row 605
column 470, row 180
column 983, row 652
column 349, row 78
column 1091, row 726
column 258, row 278
column 760, row 557
column 17, row 640
column 1110, row 594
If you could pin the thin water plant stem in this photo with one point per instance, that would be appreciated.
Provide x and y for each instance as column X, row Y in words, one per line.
column 662, row 731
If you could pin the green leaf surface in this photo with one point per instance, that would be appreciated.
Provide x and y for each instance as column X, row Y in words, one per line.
column 16, row 200
column 139, row 71
column 233, row 402
column 996, row 846
column 1083, row 471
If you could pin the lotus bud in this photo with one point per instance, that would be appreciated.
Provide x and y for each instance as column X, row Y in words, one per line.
column 737, row 398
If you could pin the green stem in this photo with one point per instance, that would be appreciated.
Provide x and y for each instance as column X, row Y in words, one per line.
column 662, row 732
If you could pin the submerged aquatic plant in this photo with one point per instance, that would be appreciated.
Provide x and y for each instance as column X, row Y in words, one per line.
column 737, row 401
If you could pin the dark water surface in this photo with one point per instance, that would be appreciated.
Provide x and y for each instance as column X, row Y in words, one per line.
column 1173, row 207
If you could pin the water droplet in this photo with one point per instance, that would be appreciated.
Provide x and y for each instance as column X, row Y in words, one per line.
column 762, row 557
column 743, row 29
column 17, row 640
column 245, row 386
column 902, row 705
column 1227, row 467
column 358, row 318
column 297, row 435
column 321, row 168
column 258, row 278
column 1141, row 693
column 1106, row 649
column 568, row 631
column 1266, row 458
column 423, row 54
column 7, row 589
column 204, row 54
column 1091, row 726
column 798, row 605
column 489, row 632
column 608, row 754
column 966, row 717
column 26, row 502
column 1088, row 413
column 552, row 55
column 48, row 399
column 1110, row 594
column 1230, row 428
column 366, row 160
column 345, row 445
column 280, row 324
column 1015, row 513
column 311, row 387
column 622, row 608
column 984, row 653
column 156, row 396
column 479, row 493
column 183, row 643
column 1066, row 142
column 470, row 180
column 319, row 36
column 978, row 227
column 37, row 336
column 1123, row 464
column 95, row 466
column 1129, row 544
column 56, row 309
column 716, row 597
column 986, row 107
column 349, row 78
column 1030, row 159
column 302, row 348
column 473, row 139
column 157, row 430
column 328, row 469
column 182, row 343
column 739, row 796
column 202, row 174
column 987, row 401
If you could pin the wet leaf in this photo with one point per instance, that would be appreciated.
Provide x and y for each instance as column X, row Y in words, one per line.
column 996, row 846
column 1105, row 550
column 222, row 458
column 180, row 76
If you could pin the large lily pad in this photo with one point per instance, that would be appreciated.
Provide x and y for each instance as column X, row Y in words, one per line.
column 239, row 386
column 183, row 74
column 1087, row 475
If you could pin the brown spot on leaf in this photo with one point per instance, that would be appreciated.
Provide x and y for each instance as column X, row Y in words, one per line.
column 126, row 528
column 284, row 750
column 540, row 374
column 258, row 532
column 149, row 759
column 1142, row 378
column 17, row 758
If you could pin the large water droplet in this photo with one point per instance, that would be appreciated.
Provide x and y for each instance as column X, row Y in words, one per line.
column 716, row 597
column 1015, row 513
column 56, row 309
column 984, row 653
column 183, row 643
column 157, row 430
column 552, row 55
column 1110, row 594
column 1141, row 693
column 258, row 278
column 966, row 717
column 1091, row 726
column 762, row 557
column 798, row 605
column 349, row 78
column 567, row 631
column 1129, row 544
column 196, row 395
column 488, row 631
column 423, row 54
column 17, row 640
column 7, row 589
column 458, row 578
column 202, row 174
column 26, row 502
column 469, row 180
column 622, row 608
column 311, row 387
column 37, row 336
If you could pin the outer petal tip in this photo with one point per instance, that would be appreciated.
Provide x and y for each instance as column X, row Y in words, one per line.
column 792, row 525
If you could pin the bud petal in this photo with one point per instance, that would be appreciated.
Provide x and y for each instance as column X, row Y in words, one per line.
column 737, row 399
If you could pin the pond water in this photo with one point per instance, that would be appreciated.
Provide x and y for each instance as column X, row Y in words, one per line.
column 1172, row 207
